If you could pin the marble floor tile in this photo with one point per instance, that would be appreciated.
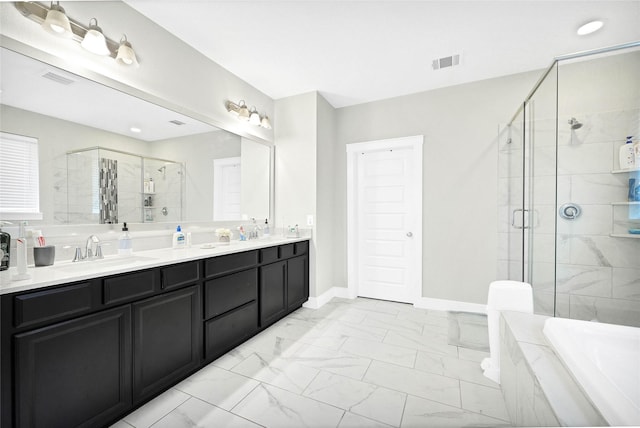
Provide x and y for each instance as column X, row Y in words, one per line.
column 426, row 413
column 484, row 400
column 281, row 372
column 352, row 363
column 414, row 382
column 198, row 413
column 218, row 386
column 274, row 407
column 380, row 351
column 419, row 342
column 364, row 399
column 349, row 420
column 337, row 362
column 453, row 367
column 157, row 408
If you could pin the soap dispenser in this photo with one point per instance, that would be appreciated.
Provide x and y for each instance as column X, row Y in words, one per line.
column 5, row 245
column 179, row 240
column 627, row 156
column 265, row 230
column 125, row 243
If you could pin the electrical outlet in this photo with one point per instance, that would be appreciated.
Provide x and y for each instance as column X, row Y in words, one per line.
column 309, row 220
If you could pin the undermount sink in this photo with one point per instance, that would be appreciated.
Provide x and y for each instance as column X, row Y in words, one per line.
column 113, row 261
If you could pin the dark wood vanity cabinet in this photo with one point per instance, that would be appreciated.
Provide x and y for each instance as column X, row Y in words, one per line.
column 84, row 354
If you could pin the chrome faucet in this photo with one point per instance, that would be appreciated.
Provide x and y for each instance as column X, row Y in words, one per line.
column 89, row 253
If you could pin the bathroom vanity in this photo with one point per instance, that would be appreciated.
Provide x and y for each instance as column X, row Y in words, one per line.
column 87, row 349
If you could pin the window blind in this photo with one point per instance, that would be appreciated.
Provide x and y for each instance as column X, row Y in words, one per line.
column 19, row 178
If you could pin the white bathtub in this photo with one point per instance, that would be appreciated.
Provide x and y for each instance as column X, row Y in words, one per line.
column 605, row 360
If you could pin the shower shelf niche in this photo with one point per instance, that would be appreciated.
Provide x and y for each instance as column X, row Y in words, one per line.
column 624, row 171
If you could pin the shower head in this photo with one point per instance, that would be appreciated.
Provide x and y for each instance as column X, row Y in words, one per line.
column 573, row 122
column 162, row 169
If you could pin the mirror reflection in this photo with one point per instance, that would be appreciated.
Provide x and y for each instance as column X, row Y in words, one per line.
column 108, row 157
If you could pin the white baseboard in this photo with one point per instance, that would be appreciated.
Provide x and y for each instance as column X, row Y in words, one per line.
column 422, row 303
column 324, row 298
column 449, row 305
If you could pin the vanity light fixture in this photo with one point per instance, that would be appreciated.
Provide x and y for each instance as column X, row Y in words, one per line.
column 57, row 22
column 244, row 114
column 95, row 41
column 590, row 27
column 126, row 54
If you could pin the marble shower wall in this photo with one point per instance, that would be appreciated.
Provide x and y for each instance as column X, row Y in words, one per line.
column 591, row 263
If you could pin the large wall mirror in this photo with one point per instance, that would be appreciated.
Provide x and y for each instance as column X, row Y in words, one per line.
column 108, row 157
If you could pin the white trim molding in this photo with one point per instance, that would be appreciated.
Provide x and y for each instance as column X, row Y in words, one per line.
column 449, row 305
column 324, row 298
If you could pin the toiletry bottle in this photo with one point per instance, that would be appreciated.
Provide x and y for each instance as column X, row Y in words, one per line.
column 179, row 240
column 125, row 243
column 5, row 245
column 265, row 230
column 21, row 254
column 152, row 186
column 636, row 153
column 627, row 156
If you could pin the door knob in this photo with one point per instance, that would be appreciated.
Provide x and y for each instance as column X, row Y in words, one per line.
column 409, row 234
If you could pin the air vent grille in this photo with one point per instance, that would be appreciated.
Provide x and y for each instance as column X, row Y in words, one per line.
column 445, row 62
column 57, row 78
column 177, row 122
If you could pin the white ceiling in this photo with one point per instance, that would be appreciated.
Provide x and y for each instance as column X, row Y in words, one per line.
column 359, row 51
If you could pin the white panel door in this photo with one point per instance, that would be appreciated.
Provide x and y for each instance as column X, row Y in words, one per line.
column 387, row 215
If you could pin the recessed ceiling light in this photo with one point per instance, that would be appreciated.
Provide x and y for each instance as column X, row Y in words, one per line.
column 589, row 27
column 136, row 130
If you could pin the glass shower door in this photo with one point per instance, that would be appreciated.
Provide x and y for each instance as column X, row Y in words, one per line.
column 541, row 187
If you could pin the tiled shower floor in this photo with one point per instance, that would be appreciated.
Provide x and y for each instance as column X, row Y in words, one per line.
column 351, row 363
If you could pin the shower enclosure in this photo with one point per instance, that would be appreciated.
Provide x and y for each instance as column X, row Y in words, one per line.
column 568, row 208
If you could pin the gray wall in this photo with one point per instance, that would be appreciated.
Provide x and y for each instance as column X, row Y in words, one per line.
column 460, row 128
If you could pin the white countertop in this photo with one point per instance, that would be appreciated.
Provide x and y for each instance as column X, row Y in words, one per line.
column 67, row 271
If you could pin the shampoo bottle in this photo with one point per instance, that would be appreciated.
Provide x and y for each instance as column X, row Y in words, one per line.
column 179, row 240
column 125, row 243
column 627, row 156
column 5, row 245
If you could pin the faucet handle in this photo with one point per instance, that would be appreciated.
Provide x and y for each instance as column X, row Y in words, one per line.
column 78, row 255
column 99, row 252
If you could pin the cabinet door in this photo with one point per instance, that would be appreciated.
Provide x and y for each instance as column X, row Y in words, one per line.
column 297, row 282
column 167, row 340
column 273, row 303
column 74, row 373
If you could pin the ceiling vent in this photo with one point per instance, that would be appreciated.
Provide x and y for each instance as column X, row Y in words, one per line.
column 445, row 62
column 57, row 78
column 177, row 122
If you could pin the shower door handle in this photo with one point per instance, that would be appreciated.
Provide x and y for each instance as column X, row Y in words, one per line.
column 525, row 218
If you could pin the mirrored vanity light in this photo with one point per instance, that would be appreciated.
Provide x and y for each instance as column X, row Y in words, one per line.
column 243, row 113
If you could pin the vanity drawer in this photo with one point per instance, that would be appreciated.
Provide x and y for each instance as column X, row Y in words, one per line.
column 230, row 329
column 53, row 304
column 301, row 247
column 229, row 263
column 269, row 255
column 287, row 251
column 228, row 292
column 130, row 286
column 182, row 274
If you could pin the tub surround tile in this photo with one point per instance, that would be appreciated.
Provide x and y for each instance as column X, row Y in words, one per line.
column 584, row 280
column 626, row 283
column 364, row 399
column 274, row 407
column 613, row 311
column 485, row 400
